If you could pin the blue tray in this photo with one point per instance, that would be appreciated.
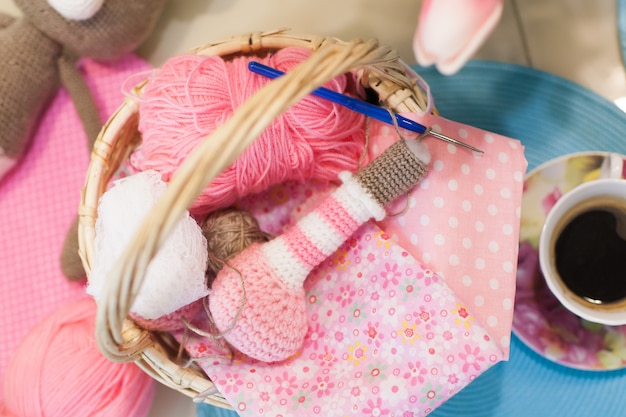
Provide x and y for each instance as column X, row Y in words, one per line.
column 551, row 117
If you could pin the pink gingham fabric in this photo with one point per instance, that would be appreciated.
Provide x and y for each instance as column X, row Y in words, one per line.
column 38, row 201
column 407, row 312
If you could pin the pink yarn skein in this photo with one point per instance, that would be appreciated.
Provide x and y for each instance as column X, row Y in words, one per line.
column 57, row 370
column 191, row 96
column 268, row 278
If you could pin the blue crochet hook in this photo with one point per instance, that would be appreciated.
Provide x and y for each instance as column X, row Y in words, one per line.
column 362, row 107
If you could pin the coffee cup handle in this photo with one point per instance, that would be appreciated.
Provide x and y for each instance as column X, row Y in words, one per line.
column 612, row 167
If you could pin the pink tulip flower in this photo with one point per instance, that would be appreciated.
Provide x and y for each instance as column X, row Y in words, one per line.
column 449, row 32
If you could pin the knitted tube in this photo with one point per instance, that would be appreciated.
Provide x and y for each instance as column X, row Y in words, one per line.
column 258, row 302
column 393, row 173
column 362, row 197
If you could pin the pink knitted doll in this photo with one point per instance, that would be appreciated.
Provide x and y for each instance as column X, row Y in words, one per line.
column 258, row 300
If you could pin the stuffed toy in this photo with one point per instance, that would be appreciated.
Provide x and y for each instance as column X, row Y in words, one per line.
column 449, row 32
column 39, row 54
column 257, row 300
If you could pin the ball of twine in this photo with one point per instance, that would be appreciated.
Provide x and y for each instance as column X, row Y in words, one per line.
column 228, row 232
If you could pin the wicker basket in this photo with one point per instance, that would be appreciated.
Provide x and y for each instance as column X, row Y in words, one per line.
column 119, row 338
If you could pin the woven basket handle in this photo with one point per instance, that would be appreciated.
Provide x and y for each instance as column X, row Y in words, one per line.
column 210, row 158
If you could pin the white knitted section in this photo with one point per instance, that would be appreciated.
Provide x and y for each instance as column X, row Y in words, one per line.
column 176, row 275
column 357, row 200
column 322, row 234
column 279, row 257
column 76, row 9
column 420, row 149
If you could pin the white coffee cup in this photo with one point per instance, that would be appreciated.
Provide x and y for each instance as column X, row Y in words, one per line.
column 579, row 241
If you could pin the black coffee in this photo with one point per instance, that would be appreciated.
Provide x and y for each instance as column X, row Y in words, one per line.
column 590, row 256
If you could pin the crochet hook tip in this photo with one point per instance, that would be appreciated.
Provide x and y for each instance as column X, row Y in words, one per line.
column 448, row 139
column 365, row 108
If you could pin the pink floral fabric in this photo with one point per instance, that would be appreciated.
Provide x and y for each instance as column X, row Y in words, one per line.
column 387, row 334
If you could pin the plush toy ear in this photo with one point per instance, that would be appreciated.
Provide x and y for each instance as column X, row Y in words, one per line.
column 449, row 32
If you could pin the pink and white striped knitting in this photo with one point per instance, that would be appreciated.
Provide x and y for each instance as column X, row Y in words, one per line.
column 258, row 300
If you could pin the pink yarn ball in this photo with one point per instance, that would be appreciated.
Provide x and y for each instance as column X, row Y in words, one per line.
column 191, row 96
column 273, row 322
column 58, row 370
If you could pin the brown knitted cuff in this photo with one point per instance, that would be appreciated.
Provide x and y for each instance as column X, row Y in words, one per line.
column 392, row 173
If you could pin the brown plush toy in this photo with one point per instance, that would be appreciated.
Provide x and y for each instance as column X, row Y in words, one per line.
column 39, row 52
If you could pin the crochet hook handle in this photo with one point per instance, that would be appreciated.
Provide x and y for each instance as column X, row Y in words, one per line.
column 362, row 107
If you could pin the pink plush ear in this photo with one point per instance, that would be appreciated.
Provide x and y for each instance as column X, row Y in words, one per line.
column 450, row 31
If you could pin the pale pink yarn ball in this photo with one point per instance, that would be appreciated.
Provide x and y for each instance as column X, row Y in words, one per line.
column 57, row 370
column 273, row 322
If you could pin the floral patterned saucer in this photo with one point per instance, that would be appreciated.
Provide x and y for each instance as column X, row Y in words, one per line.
column 540, row 321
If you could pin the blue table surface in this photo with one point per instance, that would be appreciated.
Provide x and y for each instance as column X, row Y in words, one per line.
column 551, row 117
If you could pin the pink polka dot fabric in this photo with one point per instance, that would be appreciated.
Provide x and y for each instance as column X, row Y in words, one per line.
column 38, row 202
column 463, row 220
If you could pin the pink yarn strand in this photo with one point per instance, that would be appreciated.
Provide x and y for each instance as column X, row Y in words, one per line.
column 191, row 96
